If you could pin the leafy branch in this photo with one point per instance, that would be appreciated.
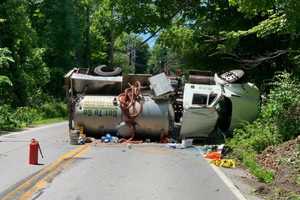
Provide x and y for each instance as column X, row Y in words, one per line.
column 5, row 58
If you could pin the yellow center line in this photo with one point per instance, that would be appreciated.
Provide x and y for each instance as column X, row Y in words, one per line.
column 39, row 181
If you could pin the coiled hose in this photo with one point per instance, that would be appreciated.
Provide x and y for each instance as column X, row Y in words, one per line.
column 131, row 107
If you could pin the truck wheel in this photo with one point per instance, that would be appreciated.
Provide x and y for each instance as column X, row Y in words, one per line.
column 74, row 136
column 103, row 70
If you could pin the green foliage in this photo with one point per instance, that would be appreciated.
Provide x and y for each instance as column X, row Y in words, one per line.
column 253, row 7
column 53, row 110
column 279, row 121
column 23, row 116
column 7, row 121
column 248, row 141
column 275, row 24
column 5, row 57
column 283, row 106
column 179, row 38
column 237, row 34
column 5, row 80
column 163, row 58
column 149, row 16
column 254, row 136
column 263, row 175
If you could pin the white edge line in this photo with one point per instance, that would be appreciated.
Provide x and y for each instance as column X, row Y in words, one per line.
column 228, row 182
column 33, row 129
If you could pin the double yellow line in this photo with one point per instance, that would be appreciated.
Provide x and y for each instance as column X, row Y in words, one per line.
column 39, row 181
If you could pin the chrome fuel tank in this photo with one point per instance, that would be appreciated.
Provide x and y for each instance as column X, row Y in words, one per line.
column 102, row 114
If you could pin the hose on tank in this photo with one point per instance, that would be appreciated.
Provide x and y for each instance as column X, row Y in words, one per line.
column 130, row 100
column 131, row 106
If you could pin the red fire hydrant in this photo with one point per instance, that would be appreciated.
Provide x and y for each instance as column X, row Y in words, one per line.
column 34, row 149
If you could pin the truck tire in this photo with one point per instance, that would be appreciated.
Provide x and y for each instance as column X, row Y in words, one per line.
column 103, row 70
column 74, row 136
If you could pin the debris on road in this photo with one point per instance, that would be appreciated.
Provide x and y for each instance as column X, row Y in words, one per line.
column 210, row 148
column 130, row 141
column 81, row 140
column 227, row 163
column 108, row 138
column 175, row 146
column 213, row 155
column 186, row 143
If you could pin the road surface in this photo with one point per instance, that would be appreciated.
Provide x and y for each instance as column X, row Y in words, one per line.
column 106, row 172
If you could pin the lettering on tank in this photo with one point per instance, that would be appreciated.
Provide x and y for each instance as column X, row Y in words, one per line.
column 101, row 112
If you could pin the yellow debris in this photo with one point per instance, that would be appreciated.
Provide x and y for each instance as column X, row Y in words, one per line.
column 227, row 163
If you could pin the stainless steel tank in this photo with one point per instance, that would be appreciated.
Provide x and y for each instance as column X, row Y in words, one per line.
column 97, row 114
column 102, row 114
column 156, row 117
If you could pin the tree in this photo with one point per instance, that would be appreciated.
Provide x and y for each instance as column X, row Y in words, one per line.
column 131, row 54
column 5, row 58
column 20, row 38
column 221, row 35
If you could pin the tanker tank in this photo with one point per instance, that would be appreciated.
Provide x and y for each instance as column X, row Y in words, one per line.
column 102, row 114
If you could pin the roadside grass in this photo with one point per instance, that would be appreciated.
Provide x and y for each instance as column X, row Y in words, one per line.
column 47, row 121
column 34, row 124
column 262, row 174
column 250, row 140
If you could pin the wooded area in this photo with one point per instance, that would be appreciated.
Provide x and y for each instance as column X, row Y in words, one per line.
column 40, row 40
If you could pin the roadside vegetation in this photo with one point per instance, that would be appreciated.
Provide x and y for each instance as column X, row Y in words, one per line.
column 11, row 119
column 278, row 122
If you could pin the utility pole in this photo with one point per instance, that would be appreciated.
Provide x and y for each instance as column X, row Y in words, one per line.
column 87, row 37
column 133, row 57
column 111, row 40
column 131, row 48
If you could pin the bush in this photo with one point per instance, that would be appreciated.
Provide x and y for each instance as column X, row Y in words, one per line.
column 7, row 121
column 26, row 115
column 23, row 116
column 254, row 136
column 278, row 121
column 53, row 110
column 283, row 106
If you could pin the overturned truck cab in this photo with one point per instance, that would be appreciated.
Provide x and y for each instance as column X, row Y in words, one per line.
column 158, row 106
column 223, row 104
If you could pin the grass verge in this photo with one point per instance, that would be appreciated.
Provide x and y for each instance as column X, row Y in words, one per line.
column 47, row 121
column 262, row 174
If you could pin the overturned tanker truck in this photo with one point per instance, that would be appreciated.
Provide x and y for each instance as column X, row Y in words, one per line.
column 159, row 106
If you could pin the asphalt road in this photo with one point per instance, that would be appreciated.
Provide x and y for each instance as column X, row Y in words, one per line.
column 99, row 171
